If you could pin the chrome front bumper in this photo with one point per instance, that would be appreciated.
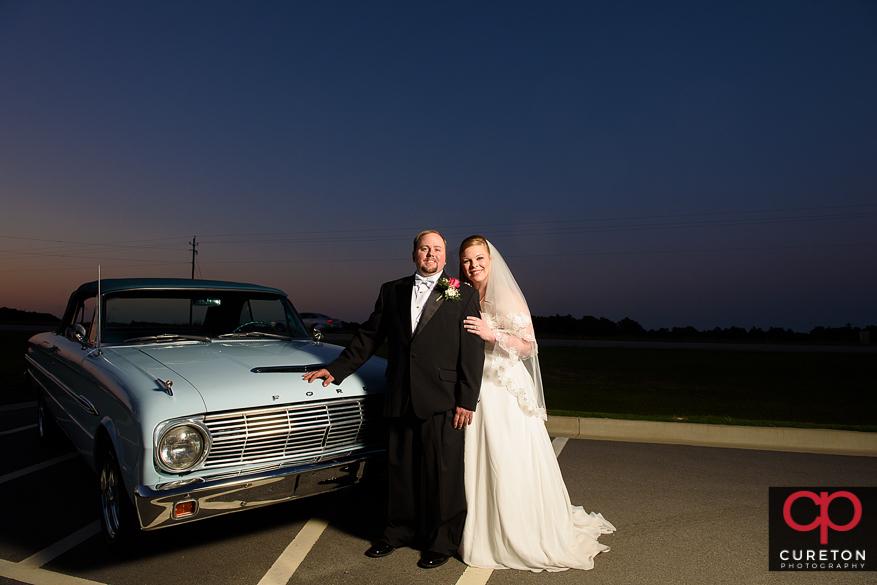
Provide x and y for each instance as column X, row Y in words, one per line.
column 156, row 507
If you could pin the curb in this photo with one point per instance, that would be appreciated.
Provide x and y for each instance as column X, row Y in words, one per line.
column 822, row 441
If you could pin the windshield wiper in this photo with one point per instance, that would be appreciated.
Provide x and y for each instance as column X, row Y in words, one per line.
column 254, row 334
column 165, row 337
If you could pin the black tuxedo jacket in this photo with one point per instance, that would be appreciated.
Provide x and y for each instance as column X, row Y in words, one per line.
column 435, row 369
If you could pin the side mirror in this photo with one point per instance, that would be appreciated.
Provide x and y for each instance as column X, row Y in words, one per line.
column 76, row 332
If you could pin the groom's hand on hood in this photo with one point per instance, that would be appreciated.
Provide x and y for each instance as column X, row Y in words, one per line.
column 323, row 373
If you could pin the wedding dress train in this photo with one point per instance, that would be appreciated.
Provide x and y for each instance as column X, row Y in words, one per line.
column 520, row 515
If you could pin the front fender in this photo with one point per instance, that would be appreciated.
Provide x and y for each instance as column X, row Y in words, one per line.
column 128, row 453
column 119, row 426
column 106, row 436
column 130, row 404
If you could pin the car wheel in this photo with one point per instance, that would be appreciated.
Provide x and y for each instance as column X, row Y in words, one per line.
column 118, row 518
column 46, row 424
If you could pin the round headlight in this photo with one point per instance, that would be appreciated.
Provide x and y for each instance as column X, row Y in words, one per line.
column 181, row 447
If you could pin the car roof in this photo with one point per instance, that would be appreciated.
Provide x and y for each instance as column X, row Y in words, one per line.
column 112, row 285
column 123, row 284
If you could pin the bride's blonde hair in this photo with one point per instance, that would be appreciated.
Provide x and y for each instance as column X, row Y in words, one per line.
column 468, row 243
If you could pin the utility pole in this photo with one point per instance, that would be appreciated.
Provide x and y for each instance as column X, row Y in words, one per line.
column 194, row 253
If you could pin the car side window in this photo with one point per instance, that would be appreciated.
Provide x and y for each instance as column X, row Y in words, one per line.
column 246, row 313
column 92, row 327
column 85, row 315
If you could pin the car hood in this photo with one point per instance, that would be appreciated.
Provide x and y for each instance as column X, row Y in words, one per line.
column 248, row 374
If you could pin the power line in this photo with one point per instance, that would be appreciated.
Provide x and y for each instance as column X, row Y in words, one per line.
column 145, row 264
column 396, row 258
column 93, row 251
column 530, row 223
column 552, row 231
column 266, row 238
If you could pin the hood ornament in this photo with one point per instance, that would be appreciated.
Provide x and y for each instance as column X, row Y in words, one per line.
column 166, row 386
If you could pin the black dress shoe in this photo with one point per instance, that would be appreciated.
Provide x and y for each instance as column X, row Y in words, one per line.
column 379, row 549
column 431, row 560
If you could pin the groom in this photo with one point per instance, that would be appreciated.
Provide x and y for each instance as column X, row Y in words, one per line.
column 433, row 380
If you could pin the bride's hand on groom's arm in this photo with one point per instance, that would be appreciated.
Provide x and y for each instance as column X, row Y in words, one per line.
column 478, row 326
column 323, row 373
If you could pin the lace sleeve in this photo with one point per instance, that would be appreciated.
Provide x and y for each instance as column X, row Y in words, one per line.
column 514, row 333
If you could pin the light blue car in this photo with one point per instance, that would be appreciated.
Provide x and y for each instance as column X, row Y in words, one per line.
column 187, row 399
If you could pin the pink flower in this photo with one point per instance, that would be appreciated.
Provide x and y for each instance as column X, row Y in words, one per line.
column 450, row 289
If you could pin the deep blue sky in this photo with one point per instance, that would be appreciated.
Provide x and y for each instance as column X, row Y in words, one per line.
column 678, row 163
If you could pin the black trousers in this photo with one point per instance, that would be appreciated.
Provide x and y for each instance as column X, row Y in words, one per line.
column 427, row 496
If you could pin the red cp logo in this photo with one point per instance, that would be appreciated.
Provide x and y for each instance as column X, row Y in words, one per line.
column 823, row 521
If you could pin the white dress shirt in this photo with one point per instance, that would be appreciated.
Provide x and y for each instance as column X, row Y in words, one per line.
column 423, row 285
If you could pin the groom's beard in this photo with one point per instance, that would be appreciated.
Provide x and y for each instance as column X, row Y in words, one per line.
column 431, row 269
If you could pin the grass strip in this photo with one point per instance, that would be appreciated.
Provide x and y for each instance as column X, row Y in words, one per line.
column 823, row 389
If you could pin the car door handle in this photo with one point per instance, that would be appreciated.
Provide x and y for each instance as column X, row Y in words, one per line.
column 51, row 347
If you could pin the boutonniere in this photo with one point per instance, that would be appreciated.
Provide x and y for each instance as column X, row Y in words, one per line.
column 450, row 289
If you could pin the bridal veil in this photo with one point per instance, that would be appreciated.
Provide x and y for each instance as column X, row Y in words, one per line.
column 506, row 312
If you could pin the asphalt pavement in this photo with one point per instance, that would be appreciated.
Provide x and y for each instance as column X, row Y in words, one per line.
column 685, row 515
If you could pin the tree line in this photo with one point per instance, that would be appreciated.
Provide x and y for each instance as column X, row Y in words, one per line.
column 16, row 317
column 568, row 327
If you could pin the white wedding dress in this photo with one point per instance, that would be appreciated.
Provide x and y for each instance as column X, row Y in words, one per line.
column 519, row 512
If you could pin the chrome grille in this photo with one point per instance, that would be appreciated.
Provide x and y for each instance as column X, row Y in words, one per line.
column 304, row 432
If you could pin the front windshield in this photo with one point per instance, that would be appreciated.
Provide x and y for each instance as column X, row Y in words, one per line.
column 206, row 314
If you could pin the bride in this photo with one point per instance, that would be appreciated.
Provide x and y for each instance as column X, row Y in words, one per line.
column 520, row 515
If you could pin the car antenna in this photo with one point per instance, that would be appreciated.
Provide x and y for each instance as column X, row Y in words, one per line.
column 98, row 311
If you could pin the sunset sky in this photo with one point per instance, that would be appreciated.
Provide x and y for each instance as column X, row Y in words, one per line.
column 678, row 163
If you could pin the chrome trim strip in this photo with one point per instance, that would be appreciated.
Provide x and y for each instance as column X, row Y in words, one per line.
column 37, row 381
column 86, row 404
column 288, row 369
column 81, row 400
column 218, row 497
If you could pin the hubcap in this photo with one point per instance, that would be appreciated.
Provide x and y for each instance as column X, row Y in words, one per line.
column 109, row 497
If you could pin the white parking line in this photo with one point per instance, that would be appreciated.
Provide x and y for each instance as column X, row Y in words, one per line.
column 18, row 430
column 26, row 574
column 37, row 467
column 47, row 554
column 558, row 443
column 19, row 406
column 285, row 566
column 281, row 571
column 474, row 576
